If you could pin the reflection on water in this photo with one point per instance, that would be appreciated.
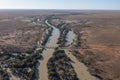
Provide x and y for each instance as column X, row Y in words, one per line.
column 54, row 38
column 47, row 53
column 70, row 38
column 80, row 69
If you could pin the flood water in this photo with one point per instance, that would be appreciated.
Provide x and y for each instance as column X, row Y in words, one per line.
column 70, row 37
column 80, row 69
column 47, row 53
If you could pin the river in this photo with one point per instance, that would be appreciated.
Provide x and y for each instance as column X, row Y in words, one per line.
column 47, row 53
column 80, row 69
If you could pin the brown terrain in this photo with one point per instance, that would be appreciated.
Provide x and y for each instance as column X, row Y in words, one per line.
column 20, row 32
column 97, row 39
column 101, row 36
column 17, row 33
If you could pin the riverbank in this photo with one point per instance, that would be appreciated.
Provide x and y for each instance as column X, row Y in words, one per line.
column 70, row 38
column 47, row 53
column 79, row 67
column 60, row 68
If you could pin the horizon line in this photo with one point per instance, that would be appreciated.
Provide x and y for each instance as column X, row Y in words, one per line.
column 54, row 9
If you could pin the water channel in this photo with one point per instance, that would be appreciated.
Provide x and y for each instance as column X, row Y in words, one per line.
column 47, row 53
column 80, row 69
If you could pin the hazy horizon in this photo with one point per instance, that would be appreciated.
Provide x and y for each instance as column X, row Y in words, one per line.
column 62, row 4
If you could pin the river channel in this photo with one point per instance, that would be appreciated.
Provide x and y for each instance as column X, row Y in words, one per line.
column 80, row 69
column 47, row 53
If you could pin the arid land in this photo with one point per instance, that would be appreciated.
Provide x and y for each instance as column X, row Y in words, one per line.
column 100, row 42
column 93, row 49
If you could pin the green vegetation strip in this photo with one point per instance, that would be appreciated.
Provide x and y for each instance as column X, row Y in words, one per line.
column 63, row 32
column 60, row 68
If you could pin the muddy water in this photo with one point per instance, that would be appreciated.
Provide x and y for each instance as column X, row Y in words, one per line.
column 47, row 53
column 54, row 38
column 70, row 37
column 80, row 69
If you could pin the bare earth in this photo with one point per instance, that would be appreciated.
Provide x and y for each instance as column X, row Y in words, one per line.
column 80, row 69
column 19, row 35
column 100, row 32
column 99, row 35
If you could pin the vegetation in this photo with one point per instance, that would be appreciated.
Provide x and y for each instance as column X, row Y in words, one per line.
column 47, row 36
column 23, row 65
column 60, row 68
column 89, row 61
column 3, row 74
column 63, row 32
column 78, row 40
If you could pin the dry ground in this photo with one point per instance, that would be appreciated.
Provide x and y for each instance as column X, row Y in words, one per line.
column 17, row 33
column 101, row 32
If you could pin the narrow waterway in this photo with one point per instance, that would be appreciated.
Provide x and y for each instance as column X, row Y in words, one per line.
column 47, row 53
column 80, row 69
